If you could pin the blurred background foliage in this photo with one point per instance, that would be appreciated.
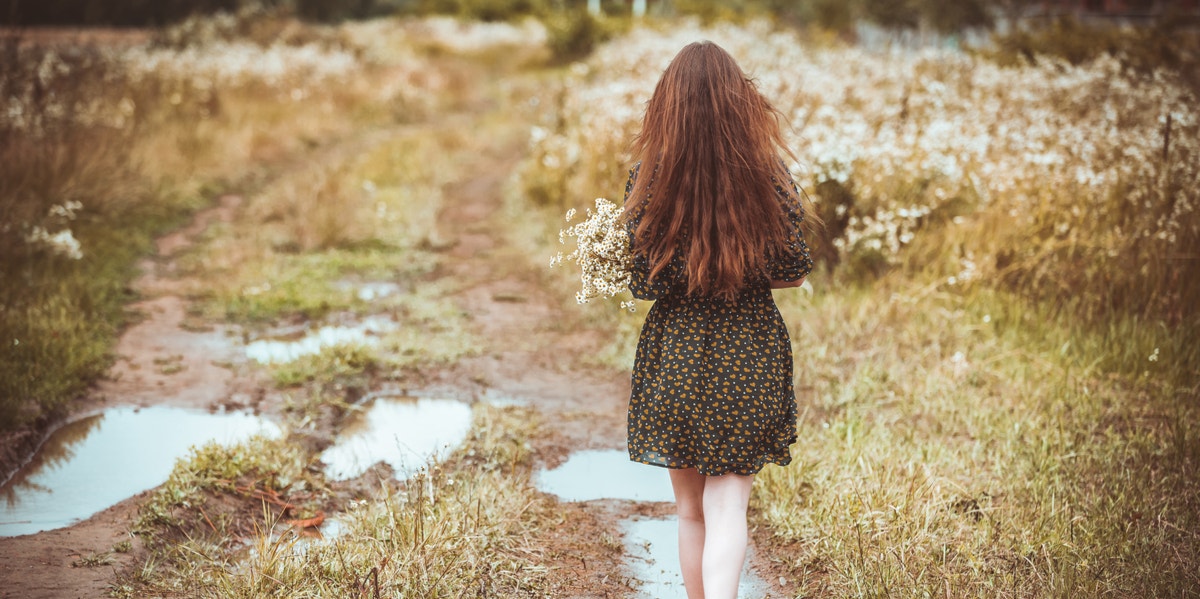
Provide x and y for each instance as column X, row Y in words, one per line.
column 944, row 15
column 1169, row 41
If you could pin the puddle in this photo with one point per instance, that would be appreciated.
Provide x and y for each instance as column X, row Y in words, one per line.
column 369, row 292
column 272, row 351
column 606, row 474
column 501, row 400
column 333, row 528
column 653, row 545
column 96, row 462
column 300, row 541
column 404, row 432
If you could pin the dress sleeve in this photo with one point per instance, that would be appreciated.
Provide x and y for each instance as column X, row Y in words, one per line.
column 794, row 262
column 639, row 283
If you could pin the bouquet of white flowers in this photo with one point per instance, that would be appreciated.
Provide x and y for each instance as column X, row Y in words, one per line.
column 602, row 252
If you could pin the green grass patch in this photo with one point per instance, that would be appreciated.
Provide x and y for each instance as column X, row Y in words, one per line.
column 176, row 510
column 331, row 364
column 59, row 317
column 309, row 285
column 430, row 330
column 308, row 242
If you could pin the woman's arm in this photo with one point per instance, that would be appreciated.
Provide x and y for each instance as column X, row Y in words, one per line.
column 639, row 276
column 791, row 266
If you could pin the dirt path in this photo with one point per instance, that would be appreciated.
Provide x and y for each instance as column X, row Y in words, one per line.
column 533, row 353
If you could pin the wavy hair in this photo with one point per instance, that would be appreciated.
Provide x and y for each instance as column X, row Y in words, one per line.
column 710, row 149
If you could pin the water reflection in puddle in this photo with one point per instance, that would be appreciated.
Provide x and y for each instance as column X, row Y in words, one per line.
column 501, row 399
column 297, row 541
column 96, row 462
column 270, row 351
column 606, row 474
column 654, row 547
column 378, row 290
column 405, row 433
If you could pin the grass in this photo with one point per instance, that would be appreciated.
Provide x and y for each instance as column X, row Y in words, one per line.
column 956, row 440
column 429, row 331
column 356, row 215
column 967, row 444
column 59, row 318
column 466, row 523
column 991, row 437
column 306, row 256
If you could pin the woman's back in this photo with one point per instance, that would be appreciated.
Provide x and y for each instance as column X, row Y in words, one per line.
column 718, row 194
column 715, row 223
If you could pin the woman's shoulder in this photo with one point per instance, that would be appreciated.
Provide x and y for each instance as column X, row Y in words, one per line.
column 633, row 172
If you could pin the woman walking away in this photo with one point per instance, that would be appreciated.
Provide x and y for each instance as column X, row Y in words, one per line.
column 715, row 223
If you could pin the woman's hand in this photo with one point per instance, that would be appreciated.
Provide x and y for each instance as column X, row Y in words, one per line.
column 787, row 284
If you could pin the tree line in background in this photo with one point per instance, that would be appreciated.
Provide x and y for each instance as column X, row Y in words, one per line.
column 143, row 13
column 943, row 15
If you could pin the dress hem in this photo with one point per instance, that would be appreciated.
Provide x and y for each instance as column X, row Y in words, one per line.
column 741, row 472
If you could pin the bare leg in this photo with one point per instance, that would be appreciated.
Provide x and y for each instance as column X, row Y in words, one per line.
column 725, row 501
column 689, row 505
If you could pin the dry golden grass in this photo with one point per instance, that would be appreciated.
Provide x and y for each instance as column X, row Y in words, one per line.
column 970, row 445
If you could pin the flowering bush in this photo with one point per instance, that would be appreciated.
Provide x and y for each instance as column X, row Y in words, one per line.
column 602, row 253
column 1072, row 183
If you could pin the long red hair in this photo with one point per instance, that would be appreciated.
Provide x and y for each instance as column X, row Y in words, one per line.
column 710, row 150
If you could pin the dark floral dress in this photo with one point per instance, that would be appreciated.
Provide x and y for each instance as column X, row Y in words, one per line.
column 712, row 380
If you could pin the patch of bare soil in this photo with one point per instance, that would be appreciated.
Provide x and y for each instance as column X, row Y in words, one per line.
column 78, row 561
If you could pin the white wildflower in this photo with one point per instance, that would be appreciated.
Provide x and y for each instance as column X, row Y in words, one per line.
column 62, row 243
column 959, row 363
column 66, row 210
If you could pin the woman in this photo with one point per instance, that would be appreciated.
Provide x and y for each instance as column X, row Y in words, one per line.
column 715, row 223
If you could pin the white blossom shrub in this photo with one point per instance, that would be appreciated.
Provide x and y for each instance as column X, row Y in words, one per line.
column 1073, row 183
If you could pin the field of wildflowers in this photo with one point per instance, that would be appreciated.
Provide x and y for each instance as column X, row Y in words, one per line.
column 1074, row 184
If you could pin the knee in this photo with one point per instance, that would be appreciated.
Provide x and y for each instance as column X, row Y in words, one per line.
column 692, row 512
